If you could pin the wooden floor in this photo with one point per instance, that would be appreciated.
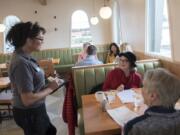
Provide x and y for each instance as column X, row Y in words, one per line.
column 54, row 105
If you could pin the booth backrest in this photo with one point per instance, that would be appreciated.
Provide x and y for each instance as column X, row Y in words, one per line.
column 66, row 55
column 5, row 58
column 86, row 77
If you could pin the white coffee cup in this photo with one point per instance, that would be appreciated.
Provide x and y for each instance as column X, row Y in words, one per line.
column 100, row 96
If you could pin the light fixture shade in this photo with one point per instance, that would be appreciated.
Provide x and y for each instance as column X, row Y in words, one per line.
column 2, row 27
column 94, row 20
column 105, row 12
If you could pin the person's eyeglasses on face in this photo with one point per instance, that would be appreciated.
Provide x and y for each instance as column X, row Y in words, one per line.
column 123, row 60
column 40, row 39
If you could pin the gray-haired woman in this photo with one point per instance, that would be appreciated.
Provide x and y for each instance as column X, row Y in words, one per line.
column 161, row 91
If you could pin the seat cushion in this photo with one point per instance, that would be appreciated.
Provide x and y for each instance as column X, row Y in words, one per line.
column 80, row 121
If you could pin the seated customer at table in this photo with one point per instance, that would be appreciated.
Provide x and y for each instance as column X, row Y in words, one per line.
column 160, row 92
column 124, row 76
column 91, row 58
column 83, row 54
column 113, row 52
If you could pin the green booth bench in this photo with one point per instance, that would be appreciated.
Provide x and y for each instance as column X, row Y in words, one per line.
column 86, row 77
column 67, row 56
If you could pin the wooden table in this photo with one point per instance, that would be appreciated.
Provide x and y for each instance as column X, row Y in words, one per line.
column 4, row 69
column 4, row 82
column 56, row 61
column 97, row 122
column 3, row 66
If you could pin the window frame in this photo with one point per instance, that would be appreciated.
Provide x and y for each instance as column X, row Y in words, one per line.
column 116, row 24
column 147, row 28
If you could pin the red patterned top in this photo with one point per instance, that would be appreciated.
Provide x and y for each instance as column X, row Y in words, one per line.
column 116, row 77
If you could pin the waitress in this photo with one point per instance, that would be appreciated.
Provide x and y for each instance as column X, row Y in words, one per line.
column 27, row 80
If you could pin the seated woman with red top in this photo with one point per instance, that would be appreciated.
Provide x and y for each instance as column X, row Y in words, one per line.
column 124, row 76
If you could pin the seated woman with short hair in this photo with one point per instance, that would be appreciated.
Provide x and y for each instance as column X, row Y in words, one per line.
column 82, row 55
column 161, row 91
column 124, row 76
column 91, row 58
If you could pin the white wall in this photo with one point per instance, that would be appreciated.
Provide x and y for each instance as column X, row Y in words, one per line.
column 175, row 27
column 132, row 23
column 63, row 10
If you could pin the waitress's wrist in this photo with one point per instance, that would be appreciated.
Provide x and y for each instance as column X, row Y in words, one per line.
column 49, row 90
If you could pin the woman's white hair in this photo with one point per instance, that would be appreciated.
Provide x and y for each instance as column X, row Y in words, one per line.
column 86, row 44
column 165, row 84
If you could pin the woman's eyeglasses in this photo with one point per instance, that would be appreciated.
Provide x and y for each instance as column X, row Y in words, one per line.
column 123, row 60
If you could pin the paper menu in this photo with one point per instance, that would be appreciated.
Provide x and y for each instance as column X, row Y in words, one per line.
column 127, row 96
column 121, row 115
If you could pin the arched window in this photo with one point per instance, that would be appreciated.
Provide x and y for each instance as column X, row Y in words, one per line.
column 9, row 21
column 80, row 29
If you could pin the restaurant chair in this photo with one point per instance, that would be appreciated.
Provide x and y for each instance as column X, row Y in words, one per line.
column 5, row 105
column 4, row 69
column 48, row 67
column 4, row 72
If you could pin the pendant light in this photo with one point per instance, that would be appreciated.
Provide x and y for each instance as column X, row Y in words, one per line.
column 105, row 12
column 94, row 20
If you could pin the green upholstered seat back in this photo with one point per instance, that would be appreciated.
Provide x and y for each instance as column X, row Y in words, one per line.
column 66, row 55
column 5, row 58
column 144, row 65
column 85, row 78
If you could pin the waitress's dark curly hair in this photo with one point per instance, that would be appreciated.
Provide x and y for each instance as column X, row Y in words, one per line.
column 19, row 33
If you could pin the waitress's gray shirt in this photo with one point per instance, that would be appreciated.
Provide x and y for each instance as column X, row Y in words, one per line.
column 25, row 76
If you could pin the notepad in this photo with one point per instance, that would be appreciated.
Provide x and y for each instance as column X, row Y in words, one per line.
column 127, row 96
column 121, row 115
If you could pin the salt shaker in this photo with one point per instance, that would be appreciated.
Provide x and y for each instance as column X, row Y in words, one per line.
column 103, row 105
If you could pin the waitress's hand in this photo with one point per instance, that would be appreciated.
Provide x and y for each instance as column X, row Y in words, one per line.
column 120, row 87
column 53, row 85
column 59, row 81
